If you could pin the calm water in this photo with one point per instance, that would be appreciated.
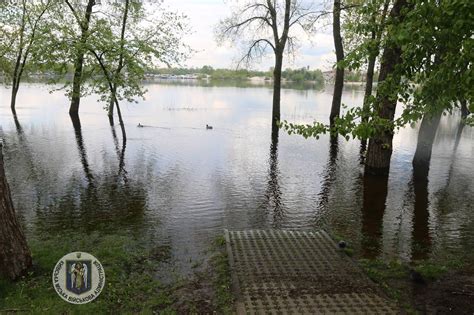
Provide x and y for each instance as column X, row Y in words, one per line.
column 184, row 184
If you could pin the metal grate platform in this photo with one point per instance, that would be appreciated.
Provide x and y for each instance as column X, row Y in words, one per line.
column 294, row 272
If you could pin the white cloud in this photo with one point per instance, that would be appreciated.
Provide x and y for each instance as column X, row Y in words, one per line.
column 205, row 14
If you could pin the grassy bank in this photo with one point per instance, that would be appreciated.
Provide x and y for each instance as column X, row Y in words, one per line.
column 131, row 265
column 432, row 286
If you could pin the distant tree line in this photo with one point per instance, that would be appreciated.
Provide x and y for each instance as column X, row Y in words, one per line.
column 294, row 75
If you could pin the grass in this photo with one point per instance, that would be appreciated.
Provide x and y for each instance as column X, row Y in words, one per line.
column 131, row 287
column 222, row 278
column 129, row 265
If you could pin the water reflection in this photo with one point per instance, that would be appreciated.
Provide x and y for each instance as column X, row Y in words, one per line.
column 273, row 193
column 421, row 239
column 329, row 176
column 185, row 183
column 120, row 153
column 373, row 208
column 76, row 123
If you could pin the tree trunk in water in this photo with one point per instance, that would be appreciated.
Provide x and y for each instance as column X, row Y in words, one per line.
column 426, row 136
column 380, row 146
column 339, row 80
column 421, row 239
column 464, row 109
column 368, row 92
column 110, row 111
column 122, row 125
column 13, row 99
column 15, row 256
column 373, row 209
column 79, row 63
column 277, row 89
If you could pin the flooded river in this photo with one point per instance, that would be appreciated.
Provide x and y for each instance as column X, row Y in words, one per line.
column 183, row 184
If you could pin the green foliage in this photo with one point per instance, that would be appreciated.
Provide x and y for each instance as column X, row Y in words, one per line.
column 304, row 74
column 294, row 75
column 22, row 26
column 436, row 73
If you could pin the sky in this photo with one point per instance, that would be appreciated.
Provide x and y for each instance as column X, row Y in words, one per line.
column 205, row 14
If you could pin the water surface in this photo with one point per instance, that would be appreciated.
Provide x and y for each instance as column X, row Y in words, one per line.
column 183, row 184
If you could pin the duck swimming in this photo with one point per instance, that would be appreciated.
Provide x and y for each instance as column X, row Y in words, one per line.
column 140, row 125
column 208, row 127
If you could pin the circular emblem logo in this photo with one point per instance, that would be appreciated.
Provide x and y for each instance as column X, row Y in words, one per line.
column 78, row 278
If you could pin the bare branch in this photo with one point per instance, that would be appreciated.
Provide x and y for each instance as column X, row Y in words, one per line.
column 78, row 19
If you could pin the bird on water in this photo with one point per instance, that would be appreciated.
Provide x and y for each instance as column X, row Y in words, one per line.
column 208, row 127
column 140, row 125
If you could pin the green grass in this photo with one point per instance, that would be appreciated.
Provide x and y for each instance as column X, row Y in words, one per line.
column 222, row 277
column 129, row 265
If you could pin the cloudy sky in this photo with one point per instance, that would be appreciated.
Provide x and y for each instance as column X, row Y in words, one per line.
column 205, row 14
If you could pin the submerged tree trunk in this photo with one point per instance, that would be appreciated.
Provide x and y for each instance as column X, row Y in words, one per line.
column 110, row 110
column 380, row 146
column 79, row 62
column 464, row 109
column 421, row 239
column 373, row 209
column 277, row 88
column 339, row 80
column 426, row 136
column 15, row 256
column 13, row 99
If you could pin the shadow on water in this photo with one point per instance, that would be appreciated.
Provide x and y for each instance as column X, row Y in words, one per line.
column 421, row 240
column 120, row 153
column 375, row 189
column 18, row 127
column 106, row 203
column 76, row 123
column 273, row 192
column 328, row 177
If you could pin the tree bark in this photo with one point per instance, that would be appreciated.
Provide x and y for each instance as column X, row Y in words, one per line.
column 15, row 256
column 421, row 239
column 113, row 92
column 426, row 136
column 13, row 99
column 380, row 146
column 79, row 62
column 464, row 109
column 110, row 112
column 277, row 88
column 339, row 80
column 376, row 36
column 373, row 209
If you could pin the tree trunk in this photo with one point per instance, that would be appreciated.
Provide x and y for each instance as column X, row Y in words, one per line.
column 13, row 99
column 373, row 209
column 110, row 111
column 464, row 109
column 376, row 36
column 421, row 239
column 277, row 88
column 380, row 146
column 426, row 136
column 79, row 62
column 339, row 80
column 122, row 125
column 15, row 256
